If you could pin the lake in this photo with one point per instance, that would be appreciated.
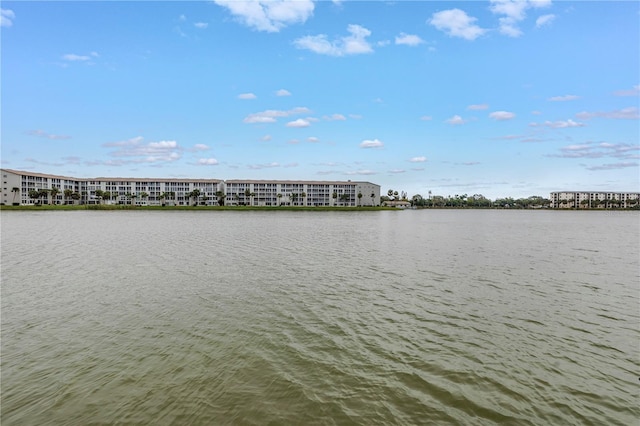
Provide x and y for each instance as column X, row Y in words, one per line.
column 470, row 317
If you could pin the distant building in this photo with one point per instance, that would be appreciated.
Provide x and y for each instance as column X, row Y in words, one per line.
column 593, row 200
column 17, row 186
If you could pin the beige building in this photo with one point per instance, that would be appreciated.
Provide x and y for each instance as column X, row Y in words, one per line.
column 24, row 188
column 593, row 200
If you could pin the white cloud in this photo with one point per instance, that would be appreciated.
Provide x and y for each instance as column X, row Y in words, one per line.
column 263, row 166
column 6, row 17
column 545, row 20
column 513, row 12
column 266, row 138
column 456, row 23
column 502, row 115
column 313, row 139
column 269, row 15
column 79, row 58
column 283, row 92
column 375, row 143
column 395, row 171
column 182, row 18
column 300, row 122
column 247, row 96
column 426, row 118
column 408, row 39
column 201, row 25
column 153, row 152
column 420, row 159
column 614, row 166
column 559, row 124
column 630, row 113
column 361, row 172
column 43, row 134
column 629, row 92
column 563, row 98
column 353, row 44
column 200, row 147
column 456, row 120
column 335, row 117
column 269, row 116
column 478, row 107
column 208, row 162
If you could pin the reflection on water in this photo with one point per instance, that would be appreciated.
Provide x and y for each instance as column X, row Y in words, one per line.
column 414, row 317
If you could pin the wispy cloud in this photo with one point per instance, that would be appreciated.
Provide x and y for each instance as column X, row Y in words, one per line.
column 201, row 25
column 283, row 92
column 426, row 118
column 270, row 116
column 152, row 152
column 43, row 134
column 635, row 91
column 545, row 20
column 200, row 147
column 353, row 44
column 397, row 171
column 408, row 39
column 264, row 166
column 630, row 113
column 614, row 166
column 207, row 162
column 559, row 124
column 375, row 143
column 269, row 15
column 6, row 17
column 72, row 57
column 364, row 172
column 599, row 150
column 456, row 23
column 478, row 107
column 335, row 117
column 563, row 98
column 456, row 120
column 502, row 115
column 420, row 159
column 246, row 96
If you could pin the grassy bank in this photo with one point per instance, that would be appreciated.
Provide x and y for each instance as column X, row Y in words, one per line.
column 188, row 208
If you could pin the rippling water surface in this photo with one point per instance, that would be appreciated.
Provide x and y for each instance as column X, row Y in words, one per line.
column 259, row 317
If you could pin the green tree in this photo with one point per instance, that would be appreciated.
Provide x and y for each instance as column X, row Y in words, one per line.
column 303, row 195
column 279, row 199
column 34, row 195
column 294, row 198
column 144, row 195
column 99, row 195
column 221, row 197
column 162, row 198
column 195, row 194
column 54, row 193
column 335, row 197
column 359, row 198
column 67, row 194
column 247, row 194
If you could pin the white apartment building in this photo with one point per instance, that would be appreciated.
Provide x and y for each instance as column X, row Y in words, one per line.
column 17, row 187
column 593, row 200
column 301, row 193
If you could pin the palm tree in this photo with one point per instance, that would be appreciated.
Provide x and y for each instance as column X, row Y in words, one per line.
column 221, row 197
column 15, row 191
column 133, row 198
column 303, row 195
column 335, row 197
column 99, row 195
column 359, row 198
column 279, row 198
column 144, row 195
column 54, row 193
column 34, row 194
column 294, row 197
column 195, row 194
column 67, row 194
column 106, row 195
column 172, row 194
column 162, row 197
column 253, row 194
column 247, row 194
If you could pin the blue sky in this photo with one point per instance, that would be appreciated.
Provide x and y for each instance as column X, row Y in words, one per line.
column 500, row 98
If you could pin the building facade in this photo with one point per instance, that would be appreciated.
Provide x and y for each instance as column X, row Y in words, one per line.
column 593, row 200
column 25, row 188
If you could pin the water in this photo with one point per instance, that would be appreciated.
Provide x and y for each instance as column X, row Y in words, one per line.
column 258, row 317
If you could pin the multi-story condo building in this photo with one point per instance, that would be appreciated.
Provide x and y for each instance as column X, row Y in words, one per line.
column 301, row 193
column 23, row 187
column 593, row 199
